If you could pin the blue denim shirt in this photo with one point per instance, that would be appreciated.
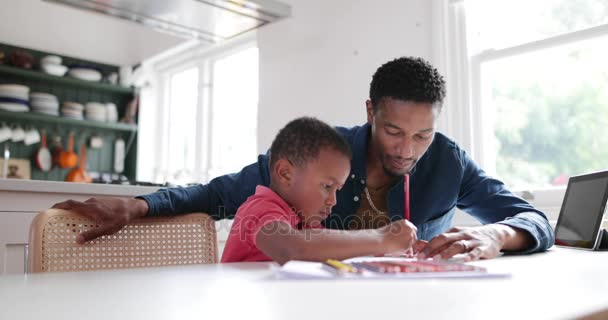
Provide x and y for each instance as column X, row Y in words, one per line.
column 445, row 178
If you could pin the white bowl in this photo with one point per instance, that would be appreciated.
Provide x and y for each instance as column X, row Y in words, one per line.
column 71, row 112
column 42, row 96
column 73, row 105
column 85, row 74
column 14, row 107
column 54, row 69
column 15, row 90
column 50, row 60
column 39, row 104
column 14, row 95
column 95, row 107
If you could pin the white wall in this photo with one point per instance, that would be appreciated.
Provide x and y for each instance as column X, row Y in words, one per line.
column 320, row 61
column 56, row 28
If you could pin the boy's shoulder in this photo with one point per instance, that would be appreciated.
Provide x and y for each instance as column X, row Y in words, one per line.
column 266, row 204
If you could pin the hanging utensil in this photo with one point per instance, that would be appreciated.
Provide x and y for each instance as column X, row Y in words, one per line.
column 18, row 134
column 68, row 158
column 43, row 157
column 5, row 132
column 7, row 156
column 32, row 136
column 119, row 155
column 56, row 150
column 79, row 174
column 96, row 142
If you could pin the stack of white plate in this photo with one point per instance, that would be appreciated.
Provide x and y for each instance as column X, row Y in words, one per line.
column 95, row 111
column 44, row 103
column 84, row 73
column 52, row 65
column 14, row 97
column 72, row 110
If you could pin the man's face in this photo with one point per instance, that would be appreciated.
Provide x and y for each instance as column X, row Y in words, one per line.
column 402, row 131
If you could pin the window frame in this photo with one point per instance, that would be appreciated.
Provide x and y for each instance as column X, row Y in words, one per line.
column 213, row 167
column 161, row 69
column 463, row 74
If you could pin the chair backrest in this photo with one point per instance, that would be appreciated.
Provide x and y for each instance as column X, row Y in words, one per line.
column 147, row 242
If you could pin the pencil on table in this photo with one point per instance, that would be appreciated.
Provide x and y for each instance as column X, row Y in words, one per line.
column 339, row 267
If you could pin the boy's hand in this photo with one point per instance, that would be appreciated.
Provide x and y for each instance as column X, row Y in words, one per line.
column 398, row 236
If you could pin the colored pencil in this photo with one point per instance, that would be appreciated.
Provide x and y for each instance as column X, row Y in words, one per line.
column 406, row 186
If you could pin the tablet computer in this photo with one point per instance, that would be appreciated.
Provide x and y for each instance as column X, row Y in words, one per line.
column 580, row 219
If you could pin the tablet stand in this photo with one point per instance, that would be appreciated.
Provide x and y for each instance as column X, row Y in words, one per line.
column 603, row 240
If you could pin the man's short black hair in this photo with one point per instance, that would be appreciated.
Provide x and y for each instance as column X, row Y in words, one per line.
column 407, row 79
column 302, row 139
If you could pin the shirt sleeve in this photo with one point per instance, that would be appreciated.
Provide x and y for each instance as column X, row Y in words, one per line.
column 220, row 198
column 488, row 200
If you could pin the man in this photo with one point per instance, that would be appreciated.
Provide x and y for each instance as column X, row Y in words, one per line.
column 399, row 138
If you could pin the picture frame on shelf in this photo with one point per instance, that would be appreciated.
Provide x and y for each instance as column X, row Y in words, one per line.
column 17, row 169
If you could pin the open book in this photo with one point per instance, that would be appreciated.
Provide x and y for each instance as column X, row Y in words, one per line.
column 383, row 268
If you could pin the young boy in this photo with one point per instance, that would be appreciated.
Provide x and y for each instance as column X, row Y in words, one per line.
column 309, row 162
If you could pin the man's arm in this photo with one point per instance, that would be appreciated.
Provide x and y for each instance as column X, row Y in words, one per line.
column 488, row 200
column 511, row 224
column 220, row 199
column 279, row 241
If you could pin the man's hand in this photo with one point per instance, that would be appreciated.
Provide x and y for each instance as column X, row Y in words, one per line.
column 473, row 243
column 111, row 214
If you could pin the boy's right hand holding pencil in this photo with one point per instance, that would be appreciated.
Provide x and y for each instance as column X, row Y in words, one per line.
column 398, row 236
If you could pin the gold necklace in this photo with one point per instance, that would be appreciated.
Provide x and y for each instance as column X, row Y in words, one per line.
column 371, row 203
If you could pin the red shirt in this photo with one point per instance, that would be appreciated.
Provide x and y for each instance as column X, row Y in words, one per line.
column 264, row 207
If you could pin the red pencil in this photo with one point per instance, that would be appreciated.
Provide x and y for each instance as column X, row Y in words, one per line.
column 406, row 187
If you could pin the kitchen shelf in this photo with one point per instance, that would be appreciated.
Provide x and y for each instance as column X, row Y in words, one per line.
column 56, row 120
column 57, row 128
column 38, row 75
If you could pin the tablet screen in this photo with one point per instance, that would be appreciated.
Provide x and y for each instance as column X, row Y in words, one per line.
column 582, row 211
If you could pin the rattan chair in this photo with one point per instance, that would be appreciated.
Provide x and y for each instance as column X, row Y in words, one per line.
column 147, row 242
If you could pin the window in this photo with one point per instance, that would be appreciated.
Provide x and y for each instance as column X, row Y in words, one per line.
column 199, row 113
column 183, row 104
column 234, row 112
column 539, row 83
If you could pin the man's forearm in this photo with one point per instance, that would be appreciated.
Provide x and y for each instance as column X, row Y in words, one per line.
column 512, row 239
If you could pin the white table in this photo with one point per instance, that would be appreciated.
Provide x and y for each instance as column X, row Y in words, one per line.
column 558, row 284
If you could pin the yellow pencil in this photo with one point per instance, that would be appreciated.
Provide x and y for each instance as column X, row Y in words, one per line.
column 341, row 266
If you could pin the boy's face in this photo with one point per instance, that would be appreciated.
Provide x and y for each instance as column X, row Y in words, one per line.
column 314, row 186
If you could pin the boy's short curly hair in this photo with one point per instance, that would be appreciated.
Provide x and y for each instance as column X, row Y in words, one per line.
column 302, row 140
column 407, row 79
